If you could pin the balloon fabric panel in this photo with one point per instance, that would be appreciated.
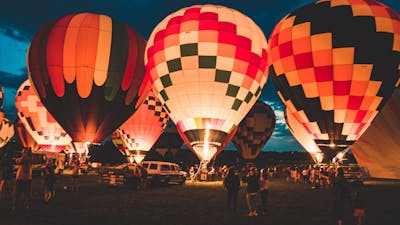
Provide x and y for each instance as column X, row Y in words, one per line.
column 25, row 138
column 334, row 75
column 86, row 56
column 145, row 126
column 6, row 132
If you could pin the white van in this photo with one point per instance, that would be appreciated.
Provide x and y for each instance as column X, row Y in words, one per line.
column 159, row 172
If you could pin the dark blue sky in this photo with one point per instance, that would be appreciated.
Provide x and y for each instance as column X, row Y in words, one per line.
column 19, row 20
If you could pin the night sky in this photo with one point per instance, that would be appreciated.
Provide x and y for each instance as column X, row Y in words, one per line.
column 20, row 19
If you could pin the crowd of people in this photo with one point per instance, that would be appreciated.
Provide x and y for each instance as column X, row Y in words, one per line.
column 255, row 181
column 21, row 190
column 256, row 184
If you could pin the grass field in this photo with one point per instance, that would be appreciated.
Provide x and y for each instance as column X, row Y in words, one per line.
column 194, row 204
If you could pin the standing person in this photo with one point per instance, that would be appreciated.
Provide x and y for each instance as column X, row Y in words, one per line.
column 252, row 188
column 23, row 178
column 264, row 189
column 75, row 174
column 358, row 208
column 5, row 173
column 49, row 180
column 232, row 185
column 341, row 192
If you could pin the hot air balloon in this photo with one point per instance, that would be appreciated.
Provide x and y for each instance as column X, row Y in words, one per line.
column 25, row 137
column 378, row 149
column 334, row 65
column 87, row 70
column 254, row 131
column 40, row 124
column 119, row 143
column 144, row 127
column 207, row 64
column 6, row 132
column 303, row 137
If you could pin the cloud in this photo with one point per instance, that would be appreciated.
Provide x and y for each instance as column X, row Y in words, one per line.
column 13, row 81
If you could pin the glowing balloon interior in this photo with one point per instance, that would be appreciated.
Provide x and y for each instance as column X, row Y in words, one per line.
column 40, row 124
column 87, row 70
column 207, row 64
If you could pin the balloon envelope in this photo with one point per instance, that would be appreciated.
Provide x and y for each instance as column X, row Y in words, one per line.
column 6, row 132
column 378, row 149
column 87, row 70
column 25, row 137
column 40, row 124
column 254, row 131
column 334, row 75
column 144, row 127
column 207, row 64
column 305, row 139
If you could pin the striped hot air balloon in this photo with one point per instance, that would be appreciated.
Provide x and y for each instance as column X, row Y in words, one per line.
column 87, row 70
column 40, row 124
column 254, row 131
column 334, row 64
column 207, row 64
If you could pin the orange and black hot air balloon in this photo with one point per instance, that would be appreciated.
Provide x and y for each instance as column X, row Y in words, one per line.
column 334, row 64
column 254, row 131
column 87, row 70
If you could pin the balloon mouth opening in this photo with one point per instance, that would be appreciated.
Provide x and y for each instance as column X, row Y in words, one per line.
column 205, row 150
column 138, row 158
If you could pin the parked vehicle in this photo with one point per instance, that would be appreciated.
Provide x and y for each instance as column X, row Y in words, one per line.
column 353, row 174
column 122, row 175
column 159, row 172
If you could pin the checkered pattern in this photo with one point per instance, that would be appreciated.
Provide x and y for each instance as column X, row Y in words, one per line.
column 254, row 131
column 6, row 131
column 145, row 126
column 38, row 121
column 334, row 64
column 207, row 63
column 119, row 143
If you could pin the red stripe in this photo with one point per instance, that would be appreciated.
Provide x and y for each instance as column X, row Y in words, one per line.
column 131, row 60
column 54, row 54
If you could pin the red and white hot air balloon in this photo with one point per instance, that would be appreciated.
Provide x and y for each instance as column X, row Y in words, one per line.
column 207, row 64
column 40, row 124
column 143, row 128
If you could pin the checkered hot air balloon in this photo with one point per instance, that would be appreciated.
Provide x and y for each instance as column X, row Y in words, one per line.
column 334, row 65
column 207, row 64
column 378, row 149
column 40, row 124
column 6, row 132
column 254, row 131
column 25, row 137
column 304, row 138
column 143, row 128
column 87, row 70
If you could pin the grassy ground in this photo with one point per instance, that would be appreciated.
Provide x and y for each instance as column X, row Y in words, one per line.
column 196, row 203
